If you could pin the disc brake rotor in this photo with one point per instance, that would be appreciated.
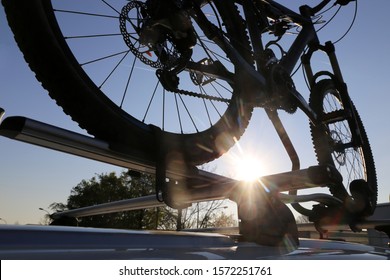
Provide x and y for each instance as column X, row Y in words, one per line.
column 145, row 38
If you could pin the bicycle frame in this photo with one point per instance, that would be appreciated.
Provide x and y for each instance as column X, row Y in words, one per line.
column 255, row 80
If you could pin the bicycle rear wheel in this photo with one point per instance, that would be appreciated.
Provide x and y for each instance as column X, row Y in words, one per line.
column 336, row 144
column 88, row 55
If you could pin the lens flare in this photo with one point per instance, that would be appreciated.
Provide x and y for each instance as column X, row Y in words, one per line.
column 248, row 168
column 245, row 165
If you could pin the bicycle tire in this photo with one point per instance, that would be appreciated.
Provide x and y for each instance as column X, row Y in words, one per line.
column 333, row 145
column 45, row 49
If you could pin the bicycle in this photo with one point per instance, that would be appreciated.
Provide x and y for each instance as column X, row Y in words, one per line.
column 206, row 57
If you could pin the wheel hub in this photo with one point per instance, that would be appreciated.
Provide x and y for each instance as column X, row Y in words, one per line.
column 339, row 156
column 145, row 37
column 159, row 35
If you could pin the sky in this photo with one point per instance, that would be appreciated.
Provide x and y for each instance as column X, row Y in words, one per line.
column 33, row 177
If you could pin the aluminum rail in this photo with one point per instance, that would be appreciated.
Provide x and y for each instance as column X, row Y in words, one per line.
column 150, row 201
column 111, row 207
column 52, row 137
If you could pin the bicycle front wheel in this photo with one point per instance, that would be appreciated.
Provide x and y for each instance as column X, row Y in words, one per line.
column 336, row 144
column 90, row 57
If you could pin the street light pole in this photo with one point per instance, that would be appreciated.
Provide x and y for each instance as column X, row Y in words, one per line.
column 47, row 216
column 1, row 219
column 40, row 208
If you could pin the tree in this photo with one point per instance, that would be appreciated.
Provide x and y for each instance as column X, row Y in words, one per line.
column 109, row 187
column 58, row 207
column 224, row 220
column 206, row 214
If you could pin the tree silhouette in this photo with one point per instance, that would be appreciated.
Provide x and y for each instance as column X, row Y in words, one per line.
column 109, row 187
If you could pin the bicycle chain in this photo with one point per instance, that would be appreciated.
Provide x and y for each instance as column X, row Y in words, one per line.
column 200, row 95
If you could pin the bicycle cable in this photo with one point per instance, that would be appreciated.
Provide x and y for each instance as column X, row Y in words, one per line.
column 335, row 14
column 330, row 20
column 351, row 25
column 325, row 11
column 317, row 18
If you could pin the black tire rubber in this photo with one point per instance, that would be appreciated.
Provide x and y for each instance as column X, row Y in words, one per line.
column 40, row 39
column 326, row 154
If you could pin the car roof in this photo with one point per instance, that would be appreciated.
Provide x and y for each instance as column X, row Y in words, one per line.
column 59, row 242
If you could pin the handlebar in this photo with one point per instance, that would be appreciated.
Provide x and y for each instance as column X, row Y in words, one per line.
column 320, row 6
column 344, row 2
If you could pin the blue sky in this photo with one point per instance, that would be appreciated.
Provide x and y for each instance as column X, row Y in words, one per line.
column 33, row 177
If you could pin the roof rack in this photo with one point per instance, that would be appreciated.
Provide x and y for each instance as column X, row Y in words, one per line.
column 203, row 185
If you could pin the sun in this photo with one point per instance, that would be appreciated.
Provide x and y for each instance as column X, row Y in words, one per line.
column 248, row 168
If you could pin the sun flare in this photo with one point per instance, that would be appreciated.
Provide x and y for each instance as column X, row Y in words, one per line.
column 248, row 169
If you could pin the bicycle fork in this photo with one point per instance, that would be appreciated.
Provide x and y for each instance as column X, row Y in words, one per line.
column 347, row 113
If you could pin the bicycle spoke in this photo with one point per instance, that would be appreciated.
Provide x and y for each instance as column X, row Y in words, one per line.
column 205, row 106
column 215, row 54
column 85, row 13
column 150, row 102
column 105, row 2
column 178, row 114
column 216, row 110
column 114, row 69
column 128, row 82
column 217, row 91
column 189, row 114
column 91, row 36
column 103, row 58
column 163, row 111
